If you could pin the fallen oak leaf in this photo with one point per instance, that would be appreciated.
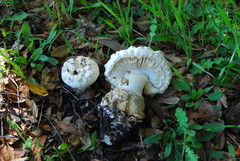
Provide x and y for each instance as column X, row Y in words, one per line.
column 66, row 127
column 37, row 89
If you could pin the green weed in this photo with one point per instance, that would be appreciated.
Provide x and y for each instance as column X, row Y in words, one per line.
column 193, row 96
column 124, row 17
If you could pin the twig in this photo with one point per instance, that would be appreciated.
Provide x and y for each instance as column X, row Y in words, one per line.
column 60, row 137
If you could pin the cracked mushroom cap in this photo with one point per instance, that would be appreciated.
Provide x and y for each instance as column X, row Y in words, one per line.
column 139, row 61
column 79, row 72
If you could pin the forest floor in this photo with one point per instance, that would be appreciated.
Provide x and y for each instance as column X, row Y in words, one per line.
column 197, row 118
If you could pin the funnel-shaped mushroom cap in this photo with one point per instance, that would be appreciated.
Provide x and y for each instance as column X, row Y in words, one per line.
column 79, row 72
column 144, row 65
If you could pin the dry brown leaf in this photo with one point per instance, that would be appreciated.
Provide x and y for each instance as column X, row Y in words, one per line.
column 199, row 114
column 143, row 25
column 202, row 80
column 170, row 101
column 6, row 153
column 19, row 153
column 112, row 44
column 23, row 89
column 173, row 58
column 36, row 149
column 85, row 138
column 60, row 51
column 72, row 129
column 206, row 105
column 37, row 89
column 33, row 106
column 47, row 127
column 46, row 75
column 74, row 140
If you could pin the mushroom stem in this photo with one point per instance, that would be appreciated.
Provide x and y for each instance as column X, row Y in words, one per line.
column 134, row 82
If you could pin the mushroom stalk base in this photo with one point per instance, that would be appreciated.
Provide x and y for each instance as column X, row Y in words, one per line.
column 119, row 112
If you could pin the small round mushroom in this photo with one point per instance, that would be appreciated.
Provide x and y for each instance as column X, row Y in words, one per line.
column 140, row 70
column 79, row 72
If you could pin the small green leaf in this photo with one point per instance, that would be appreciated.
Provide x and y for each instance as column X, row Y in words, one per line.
column 21, row 59
column 152, row 139
column 215, row 96
column 200, row 92
column 231, row 150
column 153, row 28
column 191, row 133
column 64, row 147
column 18, row 17
column 43, row 57
column 186, row 97
column 214, row 127
column 189, row 104
column 39, row 66
column 206, row 137
column 206, row 90
column 28, row 144
column 215, row 154
column 39, row 144
column 181, row 85
column 195, row 127
column 168, row 150
column 36, row 54
column 193, row 93
column 52, row 61
column 190, row 155
column 26, row 30
column 181, row 117
column 218, row 108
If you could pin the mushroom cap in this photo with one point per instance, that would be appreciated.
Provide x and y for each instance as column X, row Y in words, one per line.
column 79, row 72
column 140, row 60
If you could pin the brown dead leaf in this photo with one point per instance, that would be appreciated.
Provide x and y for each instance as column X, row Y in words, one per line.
column 33, row 106
column 202, row 80
column 66, row 127
column 173, row 58
column 6, row 153
column 206, row 105
column 46, row 75
column 112, row 44
column 199, row 114
column 170, row 101
column 47, row 127
column 88, row 94
column 60, row 51
column 156, row 122
column 143, row 25
column 36, row 149
column 85, row 138
column 74, row 140
column 23, row 89
column 19, row 153
column 37, row 89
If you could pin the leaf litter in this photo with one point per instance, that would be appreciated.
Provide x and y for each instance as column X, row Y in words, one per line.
column 61, row 116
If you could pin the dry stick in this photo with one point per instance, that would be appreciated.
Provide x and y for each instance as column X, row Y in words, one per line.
column 18, row 101
column 60, row 137
column 74, row 109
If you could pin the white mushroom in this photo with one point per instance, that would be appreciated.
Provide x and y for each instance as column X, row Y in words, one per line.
column 139, row 69
column 131, row 72
column 79, row 72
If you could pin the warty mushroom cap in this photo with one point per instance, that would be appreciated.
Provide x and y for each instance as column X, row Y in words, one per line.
column 139, row 69
column 79, row 72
